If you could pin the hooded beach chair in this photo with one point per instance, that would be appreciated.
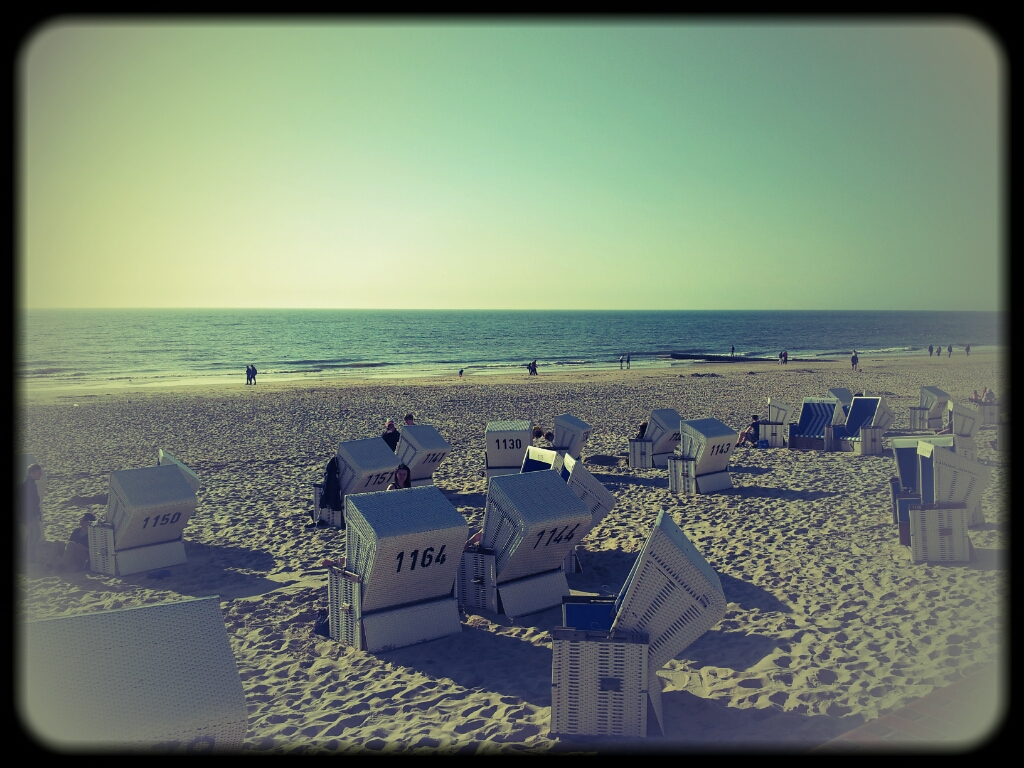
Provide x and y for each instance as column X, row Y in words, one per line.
column 663, row 434
column 164, row 457
column 773, row 429
column 402, row 551
column 147, row 510
column 705, row 448
column 965, row 420
column 422, row 449
column 815, row 414
column 364, row 466
column 571, row 434
column 154, row 677
column 905, row 488
column 505, row 444
column 532, row 521
column 950, row 478
column 606, row 655
column 866, row 421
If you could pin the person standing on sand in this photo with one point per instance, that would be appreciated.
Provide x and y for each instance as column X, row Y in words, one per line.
column 967, row 349
column 950, row 350
column 732, row 350
column 460, row 372
column 248, row 375
column 31, row 511
column 785, row 357
column 930, row 348
column 620, row 362
column 853, row 360
column 254, row 375
column 627, row 362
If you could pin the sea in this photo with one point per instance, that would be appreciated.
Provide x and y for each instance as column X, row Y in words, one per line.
column 103, row 348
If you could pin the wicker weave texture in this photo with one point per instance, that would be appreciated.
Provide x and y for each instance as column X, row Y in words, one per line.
column 682, row 475
column 641, row 455
column 955, row 478
column 599, row 686
column 139, row 559
column 404, row 545
column 533, row 593
column 934, row 399
column 408, row 625
column 870, row 442
column 571, row 434
column 938, row 533
column 531, row 521
column 663, row 430
column 779, row 411
column 672, row 593
column 422, row 449
column 163, row 457
column 149, row 505
column 475, row 583
column 505, row 442
column 158, row 674
column 772, row 432
column 709, row 441
column 344, row 596
column 101, row 548
column 918, row 417
column 598, row 499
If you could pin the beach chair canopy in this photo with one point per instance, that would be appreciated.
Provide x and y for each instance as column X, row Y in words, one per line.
column 149, row 505
column 571, row 434
column 405, row 545
column 779, row 411
column 506, row 441
column 164, row 457
column 421, row 448
column 709, row 442
column 815, row 414
column 671, row 593
column 934, row 399
column 842, row 394
column 134, row 677
column 531, row 521
column 905, row 450
column 950, row 478
column 663, row 430
column 365, row 465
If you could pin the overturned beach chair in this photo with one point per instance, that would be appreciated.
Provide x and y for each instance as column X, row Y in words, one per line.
column 663, row 432
column 938, row 533
column 532, row 522
column 147, row 510
column 571, row 434
column 705, row 448
column 364, row 466
column 815, row 414
column 588, row 488
column 402, row 551
column 422, row 449
column 934, row 402
column 605, row 657
column 157, row 677
column 505, row 444
column 866, row 422
column 905, row 488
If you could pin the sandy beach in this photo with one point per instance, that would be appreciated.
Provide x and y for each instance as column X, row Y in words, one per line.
column 829, row 622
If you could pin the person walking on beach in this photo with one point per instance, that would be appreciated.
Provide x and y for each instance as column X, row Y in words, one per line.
column 254, row 375
column 732, row 350
column 785, row 357
column 621, row 358
column 950, row 350
column 930, row 348
column 460, row 372
column 853, row 360
column 248, row 375
column 31, row 511
column 967, row 349
column 627, row 361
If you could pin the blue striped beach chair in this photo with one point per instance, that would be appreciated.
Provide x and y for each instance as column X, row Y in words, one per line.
column 815, row 414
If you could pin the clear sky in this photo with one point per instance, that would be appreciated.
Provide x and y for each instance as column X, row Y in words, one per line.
column 512, row 165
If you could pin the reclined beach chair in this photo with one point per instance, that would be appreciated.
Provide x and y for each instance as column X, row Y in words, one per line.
column 402, row 551
column 571, row 434
column 606, row 655
column 422, row 449
column 505, row 444
column 815, row 414
column 663, row 433
column 157, row 676
column 905, row 488
column 935, row 402
column 147, row 510
column 965, row 420
column 532, row 521
column 950, row 478
column 867, row 420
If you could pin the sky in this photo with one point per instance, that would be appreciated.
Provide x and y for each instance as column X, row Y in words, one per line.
column 511, row 165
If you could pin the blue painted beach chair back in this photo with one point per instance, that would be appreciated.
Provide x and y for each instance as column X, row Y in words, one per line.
column 906, row 461
column 861, row 414
column 814, row 417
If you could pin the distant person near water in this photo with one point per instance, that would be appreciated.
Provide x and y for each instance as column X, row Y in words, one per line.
column 950, row 350
column 780, row 358
column 785, row 357
column 967, row 349
column 254, row 375
column 248, row 375
column 460, row 372
column 732, row 350
column 627, row 362
column 854, row 360
column 621, row 359
column 930, row 348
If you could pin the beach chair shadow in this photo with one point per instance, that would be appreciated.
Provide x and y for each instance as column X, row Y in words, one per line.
column 785, row 494
column 478, row 658
column 617, row 480
column 735, row 650
column 748, row 470
column 990, row 559
column 749, row 596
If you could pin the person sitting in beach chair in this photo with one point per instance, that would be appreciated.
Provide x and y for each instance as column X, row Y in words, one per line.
column 749, row 435
column 403, row 478
column 641, row 431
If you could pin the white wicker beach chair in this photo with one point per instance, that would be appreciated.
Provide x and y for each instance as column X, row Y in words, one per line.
column 709, row 442
column 935, row 400
column 590, row 490
column 778, row 411
column 867, row 420
column 531, row 523
column 949, row 478
column 364, row 466
column 965, row 420
column 505, row 444
column 540, row 459
column 815, row 414
column 402, row 551
column 163, row 458
column 663, row 432
column 147, row 510
column 153, row 677
column 422, row 449
column 571, row 434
